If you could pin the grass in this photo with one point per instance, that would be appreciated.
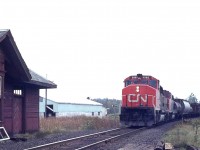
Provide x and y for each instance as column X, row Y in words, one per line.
column 71, row 124
column 76, row 123
column 186, row 133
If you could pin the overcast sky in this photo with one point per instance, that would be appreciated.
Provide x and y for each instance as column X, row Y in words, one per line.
column 88, row 47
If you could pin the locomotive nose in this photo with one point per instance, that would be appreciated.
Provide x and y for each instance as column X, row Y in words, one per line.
column 138, row 96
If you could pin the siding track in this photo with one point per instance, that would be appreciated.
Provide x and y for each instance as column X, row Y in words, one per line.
column 88, row 141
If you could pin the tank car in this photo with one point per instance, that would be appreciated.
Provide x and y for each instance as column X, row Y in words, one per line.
column 185, row 108
column 144, row 102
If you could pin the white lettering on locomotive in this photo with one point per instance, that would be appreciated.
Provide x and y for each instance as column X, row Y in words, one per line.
column 138, row 97
column 142, row 98
column 132, row 100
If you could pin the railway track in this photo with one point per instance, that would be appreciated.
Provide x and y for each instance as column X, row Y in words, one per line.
column 88, row 141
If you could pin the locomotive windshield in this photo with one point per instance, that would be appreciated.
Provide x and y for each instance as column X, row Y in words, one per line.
column 151, row 82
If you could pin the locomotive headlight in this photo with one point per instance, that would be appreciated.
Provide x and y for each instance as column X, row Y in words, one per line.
column 137, row 88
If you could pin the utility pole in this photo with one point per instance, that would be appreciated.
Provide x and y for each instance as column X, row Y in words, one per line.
column 113, row 106
column 46, row 101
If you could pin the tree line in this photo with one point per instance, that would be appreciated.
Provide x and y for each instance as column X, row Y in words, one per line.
column 112, row 105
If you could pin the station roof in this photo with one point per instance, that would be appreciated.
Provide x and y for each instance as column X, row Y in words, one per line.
column 41, row 81
column 17, row 68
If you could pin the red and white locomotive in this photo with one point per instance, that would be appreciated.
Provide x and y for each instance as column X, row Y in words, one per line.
column 145, row 102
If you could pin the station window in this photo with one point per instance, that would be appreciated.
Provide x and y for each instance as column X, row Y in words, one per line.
column 17, row 92
column 98, row 113
column 92, row 113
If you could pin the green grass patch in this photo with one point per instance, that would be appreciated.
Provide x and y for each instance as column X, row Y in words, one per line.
column 186, row 133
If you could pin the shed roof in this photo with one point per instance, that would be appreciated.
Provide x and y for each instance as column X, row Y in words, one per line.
column 17, row 64
column 77, row 102
column 82, row 102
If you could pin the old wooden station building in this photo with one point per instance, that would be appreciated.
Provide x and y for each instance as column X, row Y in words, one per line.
column 19, row 89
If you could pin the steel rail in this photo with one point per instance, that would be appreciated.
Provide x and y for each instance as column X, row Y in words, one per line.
column 69, row 140
column 108, row 139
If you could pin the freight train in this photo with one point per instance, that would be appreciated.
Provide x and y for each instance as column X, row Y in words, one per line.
column 146, row 103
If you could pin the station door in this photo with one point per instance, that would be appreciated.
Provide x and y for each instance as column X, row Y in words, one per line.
column 17, row 115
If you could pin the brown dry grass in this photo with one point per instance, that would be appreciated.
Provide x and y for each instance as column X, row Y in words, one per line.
column 77, row 123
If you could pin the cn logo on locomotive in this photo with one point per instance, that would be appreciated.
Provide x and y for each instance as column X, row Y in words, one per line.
column 132, row 98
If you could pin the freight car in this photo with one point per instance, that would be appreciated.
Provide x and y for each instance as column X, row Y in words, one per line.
column 146, row 103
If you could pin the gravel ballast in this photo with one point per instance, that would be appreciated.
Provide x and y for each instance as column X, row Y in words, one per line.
column 144, row 140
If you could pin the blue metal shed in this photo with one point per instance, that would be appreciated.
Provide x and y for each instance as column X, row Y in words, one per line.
column 61, row 109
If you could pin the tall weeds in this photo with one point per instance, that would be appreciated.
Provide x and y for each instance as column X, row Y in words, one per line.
column 77, row 123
